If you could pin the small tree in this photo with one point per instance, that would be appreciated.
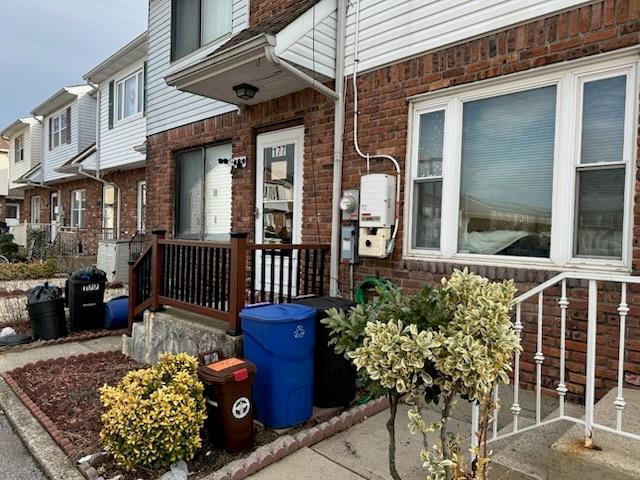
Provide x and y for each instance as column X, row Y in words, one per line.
column 389, row 341
column 473, row 355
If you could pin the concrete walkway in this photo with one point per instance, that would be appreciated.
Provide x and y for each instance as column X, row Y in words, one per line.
column 359, row 453
column 16, row 463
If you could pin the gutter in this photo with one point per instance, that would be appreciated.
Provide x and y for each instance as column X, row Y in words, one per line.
column 338, row 147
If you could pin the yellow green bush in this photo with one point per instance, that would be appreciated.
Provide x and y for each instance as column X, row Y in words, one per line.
column 153, row 417
column 28, row 271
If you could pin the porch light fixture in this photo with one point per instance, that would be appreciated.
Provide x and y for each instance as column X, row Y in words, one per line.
column 244, row 91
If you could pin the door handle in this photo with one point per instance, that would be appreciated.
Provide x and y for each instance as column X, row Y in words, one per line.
column 256, row 213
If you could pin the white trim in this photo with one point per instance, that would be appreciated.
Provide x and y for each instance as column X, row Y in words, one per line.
column 82, row 210
column 293, row 135
column 569, row 78
column 120, row 100
column 58, row 116
column 34, row 210
column 140, row 223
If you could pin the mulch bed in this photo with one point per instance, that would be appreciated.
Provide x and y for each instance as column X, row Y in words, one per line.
column 63, row 395
column 66, row 391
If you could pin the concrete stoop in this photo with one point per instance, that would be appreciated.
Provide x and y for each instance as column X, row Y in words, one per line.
column 555, row 450
column 177, row 331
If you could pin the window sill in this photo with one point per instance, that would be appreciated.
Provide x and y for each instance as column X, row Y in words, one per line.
column 129, row 119
column 522, row 263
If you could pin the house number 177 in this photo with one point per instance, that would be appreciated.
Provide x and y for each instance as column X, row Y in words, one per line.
column 279, row 151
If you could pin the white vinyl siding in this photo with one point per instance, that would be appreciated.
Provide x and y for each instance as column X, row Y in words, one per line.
column 117, row 144
column 168, row 107
column 393, row 31
column 317, row 49
column 32, row 138
column 83, row 134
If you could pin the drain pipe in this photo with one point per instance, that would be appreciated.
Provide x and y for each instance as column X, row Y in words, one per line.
column 338, row 147
column 367, row 156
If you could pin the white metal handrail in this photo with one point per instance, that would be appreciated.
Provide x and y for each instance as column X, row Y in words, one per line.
column 592, row 324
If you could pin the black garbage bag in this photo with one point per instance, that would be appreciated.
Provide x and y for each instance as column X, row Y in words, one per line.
column 91, row 274
column 43, row 293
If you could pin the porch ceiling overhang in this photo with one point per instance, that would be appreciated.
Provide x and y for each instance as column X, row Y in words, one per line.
column 85, row 160
column 33, row 176
column 14, row 128
column 263, row 60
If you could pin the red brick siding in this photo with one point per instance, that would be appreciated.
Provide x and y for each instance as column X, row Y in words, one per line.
column 600, row 27
column 89, row 236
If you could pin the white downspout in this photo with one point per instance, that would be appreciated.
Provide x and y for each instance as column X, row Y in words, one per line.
column 98, row 113
column 338, row 147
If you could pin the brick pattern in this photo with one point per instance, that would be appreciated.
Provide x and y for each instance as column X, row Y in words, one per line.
column 127, row 181
column 45, row 421
column 305, row 108
column 595, row 28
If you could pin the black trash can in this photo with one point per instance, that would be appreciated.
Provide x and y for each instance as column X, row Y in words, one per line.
column 46, row 312
column 86, row 299
column 334, row 377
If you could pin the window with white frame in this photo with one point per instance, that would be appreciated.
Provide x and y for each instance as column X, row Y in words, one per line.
column 528, row 169
column 35, row 209
column 59, row 130
column 130, row 95
column 78, row 208
column 196, row 23
column 18, row 149
column 142, row 205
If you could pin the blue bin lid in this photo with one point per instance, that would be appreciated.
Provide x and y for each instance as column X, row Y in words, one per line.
column 277, row 313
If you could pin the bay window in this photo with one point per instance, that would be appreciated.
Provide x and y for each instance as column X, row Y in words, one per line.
column 532, row 169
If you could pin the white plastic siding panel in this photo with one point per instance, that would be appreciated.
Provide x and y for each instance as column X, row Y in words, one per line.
column 316, row 50
column 4, row 174
column 16, row 170
column 393, row 31
column 168, row 107
column 36, row 145
column 55, row 157
column 87, row 130
column 117, row 144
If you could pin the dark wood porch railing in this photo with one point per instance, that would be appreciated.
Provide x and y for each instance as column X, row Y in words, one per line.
column 218, row 279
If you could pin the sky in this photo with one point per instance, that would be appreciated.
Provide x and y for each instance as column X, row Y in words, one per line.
column 48, row 44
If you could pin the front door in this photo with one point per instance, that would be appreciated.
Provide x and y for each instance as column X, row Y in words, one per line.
column 278, row 204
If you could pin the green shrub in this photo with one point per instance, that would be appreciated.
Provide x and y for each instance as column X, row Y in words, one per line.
column 8, row 249
column 6, row 238
column 154, row 416
column 27, row 271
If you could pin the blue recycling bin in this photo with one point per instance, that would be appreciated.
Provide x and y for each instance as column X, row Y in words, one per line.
column 279, row 339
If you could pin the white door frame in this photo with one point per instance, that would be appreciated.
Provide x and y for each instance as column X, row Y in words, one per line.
column 288, row 136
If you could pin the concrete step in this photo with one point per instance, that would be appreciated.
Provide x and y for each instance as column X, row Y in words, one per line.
column 616, row 458
column 525, row 456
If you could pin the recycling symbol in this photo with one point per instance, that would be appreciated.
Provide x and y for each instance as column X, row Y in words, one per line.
column 299, row 332
column 241, row 407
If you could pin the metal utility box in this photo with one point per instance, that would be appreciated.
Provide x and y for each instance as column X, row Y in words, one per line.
column 348, row 244
column 113, row 258
column 350, row 205
column 373, row 242
column 377, row 214
column 377, row 200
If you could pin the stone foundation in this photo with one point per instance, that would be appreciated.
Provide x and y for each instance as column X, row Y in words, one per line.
column 177, row 331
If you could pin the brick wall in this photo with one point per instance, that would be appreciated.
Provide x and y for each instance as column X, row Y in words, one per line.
column 306, row 108
column 89, row 236
column 596, row 28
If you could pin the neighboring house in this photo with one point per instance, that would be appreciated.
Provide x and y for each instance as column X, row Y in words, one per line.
column 120, row 145
column 25, row 152
column 514, row 125
column 4, row 176
column 67, row 200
